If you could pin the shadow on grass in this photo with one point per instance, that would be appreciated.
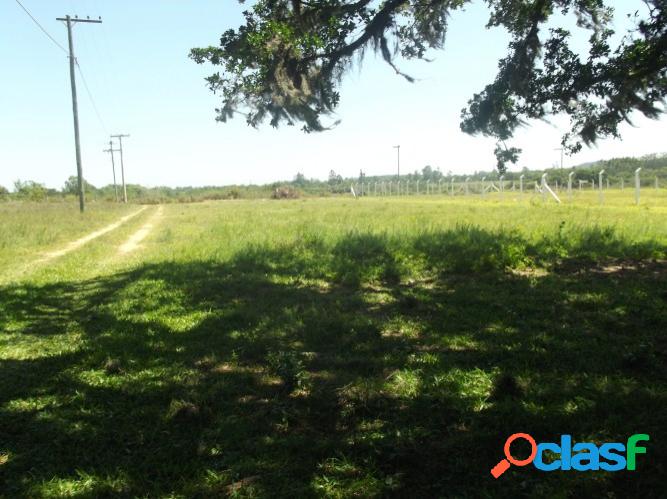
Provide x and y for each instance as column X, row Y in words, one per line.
column 372, row 367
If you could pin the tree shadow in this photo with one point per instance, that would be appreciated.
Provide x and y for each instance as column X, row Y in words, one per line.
column 372, row 366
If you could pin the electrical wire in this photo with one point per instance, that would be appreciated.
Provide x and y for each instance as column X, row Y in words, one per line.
column 90, row 96
column 41, row 27
column 83, row 78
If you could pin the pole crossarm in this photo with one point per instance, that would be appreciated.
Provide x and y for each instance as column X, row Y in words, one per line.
column 78, row 20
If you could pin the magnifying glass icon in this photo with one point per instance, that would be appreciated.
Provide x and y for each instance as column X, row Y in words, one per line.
column 504, row 464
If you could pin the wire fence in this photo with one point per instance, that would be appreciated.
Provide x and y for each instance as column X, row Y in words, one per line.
column 556, row 191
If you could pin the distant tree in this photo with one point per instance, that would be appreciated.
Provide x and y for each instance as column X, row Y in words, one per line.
column 287, row 60
column 30, row 190
column 431, row 174
column 4, row 192
column 427, row 171
column 135, row 191
column 335, row 183
column 334, row 179
column 72, row 186
column 300, row 179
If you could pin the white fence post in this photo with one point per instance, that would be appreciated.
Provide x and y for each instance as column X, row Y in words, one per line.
column 521, row 183
column 502, row 186
column 543, row 187
column 637, row 185
column 569, row 184
column 600, row 186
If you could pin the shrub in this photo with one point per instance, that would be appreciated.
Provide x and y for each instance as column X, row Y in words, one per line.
column 285, row 192
column 30, row 190
column 289, row 367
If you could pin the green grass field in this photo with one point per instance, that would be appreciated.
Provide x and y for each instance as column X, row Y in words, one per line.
column 331, row 347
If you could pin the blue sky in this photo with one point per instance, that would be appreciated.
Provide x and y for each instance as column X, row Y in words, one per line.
column 137, row 67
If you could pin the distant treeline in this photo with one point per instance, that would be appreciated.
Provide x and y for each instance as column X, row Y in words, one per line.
column 653, row 165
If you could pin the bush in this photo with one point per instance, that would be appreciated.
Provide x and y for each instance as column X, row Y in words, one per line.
column 289, row 367
column 285, row 192
column 29, row 190
column 233, row 194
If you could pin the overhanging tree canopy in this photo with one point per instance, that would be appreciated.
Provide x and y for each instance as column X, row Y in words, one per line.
column 286, row 62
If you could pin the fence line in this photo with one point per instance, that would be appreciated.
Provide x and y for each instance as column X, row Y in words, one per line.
column 483, row 187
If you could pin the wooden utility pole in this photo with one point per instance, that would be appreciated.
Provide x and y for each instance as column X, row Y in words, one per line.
column 111, row 150
column 122, row 165
column 75, row 106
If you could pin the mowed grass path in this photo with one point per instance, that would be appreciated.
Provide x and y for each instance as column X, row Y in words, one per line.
column 379, row 347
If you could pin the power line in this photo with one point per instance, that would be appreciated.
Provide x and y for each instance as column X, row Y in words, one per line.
column 90, row 96
column 40, row 27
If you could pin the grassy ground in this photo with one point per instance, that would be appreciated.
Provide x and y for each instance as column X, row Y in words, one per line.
column 29, row 228
column 380, row 347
